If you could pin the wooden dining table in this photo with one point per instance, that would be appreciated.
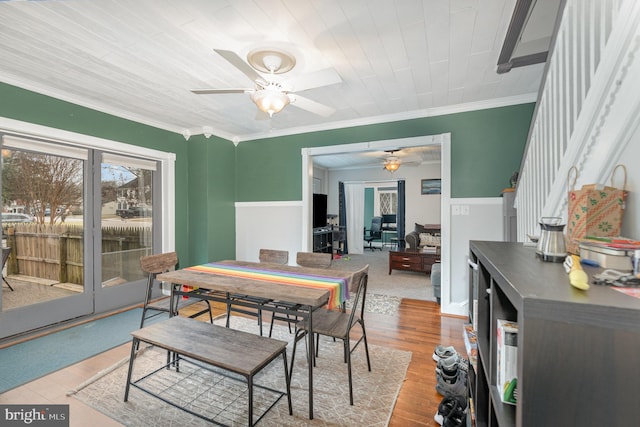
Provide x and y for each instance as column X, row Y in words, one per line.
column 305, row 288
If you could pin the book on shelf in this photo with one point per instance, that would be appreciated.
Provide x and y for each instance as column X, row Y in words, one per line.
column 471, row 344
column 472, row 412
column 507, row 360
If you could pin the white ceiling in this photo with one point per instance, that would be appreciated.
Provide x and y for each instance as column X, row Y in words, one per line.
column 139, row 59
column 410, row 156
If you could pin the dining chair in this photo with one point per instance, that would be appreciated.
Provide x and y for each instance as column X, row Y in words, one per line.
column 154, row 265
column 271, row 256
column 303, row 259
column 314, row 259
column 5, row 256
column 274, row 256
column 338, row 324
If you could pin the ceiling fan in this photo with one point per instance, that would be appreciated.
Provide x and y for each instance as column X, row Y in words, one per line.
column 270, row 93
column 392, row 162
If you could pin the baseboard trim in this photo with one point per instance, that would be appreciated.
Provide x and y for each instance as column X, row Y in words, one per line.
column 456, row 309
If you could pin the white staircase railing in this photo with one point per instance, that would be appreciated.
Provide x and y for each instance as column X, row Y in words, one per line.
column 593, row 59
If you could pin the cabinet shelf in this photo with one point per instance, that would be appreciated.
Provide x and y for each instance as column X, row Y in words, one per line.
column 322, row 240
column 573, row 346
column 505, row 414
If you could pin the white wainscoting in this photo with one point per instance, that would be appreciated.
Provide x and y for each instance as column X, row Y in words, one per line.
column 278, row 225
column 270, row 225
column 471, row 219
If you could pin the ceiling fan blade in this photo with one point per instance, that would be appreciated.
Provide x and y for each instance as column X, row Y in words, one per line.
column 312, row 106
column 325, row 77
column 210, row 91
column 239, row 63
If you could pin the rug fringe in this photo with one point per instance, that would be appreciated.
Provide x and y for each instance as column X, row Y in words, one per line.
column 103, row 373
column 395, row 399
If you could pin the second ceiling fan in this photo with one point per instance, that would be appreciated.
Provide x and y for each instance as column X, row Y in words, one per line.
column 272, row 94
column 392, row 163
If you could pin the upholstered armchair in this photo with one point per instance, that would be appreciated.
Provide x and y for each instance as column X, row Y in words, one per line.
column 423, row 235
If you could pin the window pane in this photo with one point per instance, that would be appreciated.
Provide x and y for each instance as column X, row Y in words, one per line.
column 388, row 202
column 42, row 225
column 127, row 220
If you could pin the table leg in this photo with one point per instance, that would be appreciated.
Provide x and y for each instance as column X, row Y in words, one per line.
column 312, row 354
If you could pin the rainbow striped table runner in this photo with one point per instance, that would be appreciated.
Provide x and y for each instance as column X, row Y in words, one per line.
column 338, row 287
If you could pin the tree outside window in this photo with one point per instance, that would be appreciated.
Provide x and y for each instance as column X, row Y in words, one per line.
column 49, row 187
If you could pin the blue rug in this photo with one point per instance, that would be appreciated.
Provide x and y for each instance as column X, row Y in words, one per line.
column 33, row 359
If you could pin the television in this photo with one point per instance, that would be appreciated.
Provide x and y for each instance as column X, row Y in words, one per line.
column 389, row 222
column 319, row 210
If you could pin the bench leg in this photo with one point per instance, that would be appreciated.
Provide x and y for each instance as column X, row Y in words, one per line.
column 250, row 387
column 134, row 346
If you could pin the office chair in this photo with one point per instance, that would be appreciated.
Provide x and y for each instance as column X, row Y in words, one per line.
column 374, row 233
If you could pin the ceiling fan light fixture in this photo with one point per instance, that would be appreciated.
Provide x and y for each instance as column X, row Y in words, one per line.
column 270, row 100
column 392, row 164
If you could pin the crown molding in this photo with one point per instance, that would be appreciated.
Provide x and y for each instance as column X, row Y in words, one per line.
column 416, row 114
column 83, row 102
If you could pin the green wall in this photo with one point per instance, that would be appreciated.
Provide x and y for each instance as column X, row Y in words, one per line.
column 486, row 148
column 211, row 200
column 204, row 227
column 369, row 194
column 212, row 174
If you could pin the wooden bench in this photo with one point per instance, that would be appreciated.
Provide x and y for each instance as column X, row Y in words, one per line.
column 235, row 351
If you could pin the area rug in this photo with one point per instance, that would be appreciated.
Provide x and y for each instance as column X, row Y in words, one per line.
column 401, row 284
column 375, row 392
column 382, row 304
column 64, row 348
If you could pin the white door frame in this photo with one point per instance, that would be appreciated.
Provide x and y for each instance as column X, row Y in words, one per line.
column 33, row 316
column 445, row 165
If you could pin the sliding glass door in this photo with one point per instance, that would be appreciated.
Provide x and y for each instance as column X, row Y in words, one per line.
column 44, row 275
column 75, row 222
column 126, row 214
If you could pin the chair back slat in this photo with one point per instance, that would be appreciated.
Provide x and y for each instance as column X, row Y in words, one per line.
column 159, row 263
column 359, row 286
column 357, row 277
column 376, row 226
column 314, row 259
column 274, row 256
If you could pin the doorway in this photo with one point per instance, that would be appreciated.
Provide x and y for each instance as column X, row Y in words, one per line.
column 445, row 171
column 74, row 253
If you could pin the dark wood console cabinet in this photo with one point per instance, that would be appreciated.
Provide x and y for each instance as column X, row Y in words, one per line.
column 577, row 350
column 412, row 260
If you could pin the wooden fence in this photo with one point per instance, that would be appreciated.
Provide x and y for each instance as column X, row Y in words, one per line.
column 56, row 251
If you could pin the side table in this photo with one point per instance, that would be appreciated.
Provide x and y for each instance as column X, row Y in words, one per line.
column 412, row 260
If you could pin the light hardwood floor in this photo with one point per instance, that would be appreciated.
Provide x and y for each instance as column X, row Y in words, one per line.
column 418, row 327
